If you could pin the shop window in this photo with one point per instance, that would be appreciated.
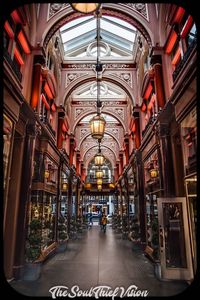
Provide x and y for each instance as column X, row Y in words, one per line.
column 7, row 137
column 191, row 36
column 189, row 142
column 43, row 208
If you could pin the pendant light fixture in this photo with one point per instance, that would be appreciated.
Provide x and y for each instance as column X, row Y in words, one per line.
column 85, row 8
column 99, row 173
column 99, row 158
column 99, row 181
column 97, row 123
column 99, row 187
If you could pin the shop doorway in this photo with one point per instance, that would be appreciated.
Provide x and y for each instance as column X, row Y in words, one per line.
column 175, row 248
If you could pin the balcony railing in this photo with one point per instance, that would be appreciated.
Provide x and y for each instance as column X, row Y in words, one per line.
column 182, row 63
column 12, row 64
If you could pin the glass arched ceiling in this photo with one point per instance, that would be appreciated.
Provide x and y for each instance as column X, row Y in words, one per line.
column 117, row 38
column 107, row 90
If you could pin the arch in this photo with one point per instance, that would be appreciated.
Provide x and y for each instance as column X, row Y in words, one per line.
column 96, row 146
column 106, row 132
column 110, row 160
column 87, row 78
column 67, row 15
column 92, row 112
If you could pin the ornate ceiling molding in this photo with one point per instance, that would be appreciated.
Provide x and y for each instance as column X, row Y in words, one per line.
column 58, row 9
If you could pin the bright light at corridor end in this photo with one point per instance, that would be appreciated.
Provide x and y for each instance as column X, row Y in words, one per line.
column 85, row 8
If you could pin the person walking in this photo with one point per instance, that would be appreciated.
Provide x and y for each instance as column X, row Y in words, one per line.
column 104, row 222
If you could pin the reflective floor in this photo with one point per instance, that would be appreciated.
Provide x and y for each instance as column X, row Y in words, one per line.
column 96, row 259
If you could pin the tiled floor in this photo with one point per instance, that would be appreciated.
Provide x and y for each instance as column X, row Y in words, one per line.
column 99, row 259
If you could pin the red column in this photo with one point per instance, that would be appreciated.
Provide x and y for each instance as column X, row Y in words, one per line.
column 36, row 87
column 126, row 143
column 121, row 162
column 159, row 86
column 71, row 150
column 78, row 162
column 60, row 137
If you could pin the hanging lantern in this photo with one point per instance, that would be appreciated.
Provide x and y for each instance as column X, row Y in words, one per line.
column 111, row 185
column 97, row 125
column 88, row 185
column 153, row 173
column 99, row 174
column 99, row 187
column 99, row 181
column 46, row 173
column 65, row 186
column 99, row 159
column 85, row 8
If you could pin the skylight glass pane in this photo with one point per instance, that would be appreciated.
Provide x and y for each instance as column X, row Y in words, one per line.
column 75, row 22
column 78, row 31
column 118, row 30
column 121, row 22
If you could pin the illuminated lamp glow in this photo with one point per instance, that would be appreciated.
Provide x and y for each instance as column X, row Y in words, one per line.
column 148, row 91
column 99, row 186
column 44, row 100
column 99, row 181
column 85, row 7
column 187, row 27
column 153, row 173
column 18, row 56
column 99, row 159
column 97, row 126
column 9, row 30
column 99, row 174
column 171, row 42
column 48, row 91
column 88, row 185
column 111, row 185
column 179, row 15
column 177, row 57
column 22, row 39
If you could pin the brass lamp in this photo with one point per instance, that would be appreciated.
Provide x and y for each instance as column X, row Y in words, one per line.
column 85, row 8
column 97, row 125
column 99, row 173
column 153, row 173
column 99, row 187
column 65, row 186
column 99, row 181
column 111, row 185
column 46, row 173
column 99, row 159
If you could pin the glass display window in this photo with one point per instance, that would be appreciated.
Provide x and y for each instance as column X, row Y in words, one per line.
column 7, row 140
column 43, row 208
column 189, row 141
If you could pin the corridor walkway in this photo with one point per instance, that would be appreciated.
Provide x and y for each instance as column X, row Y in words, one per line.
column 99, row 259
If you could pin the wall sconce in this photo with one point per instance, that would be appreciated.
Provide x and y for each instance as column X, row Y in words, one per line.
column 88, row 185
column 65, row 186
column 46, row 173
column 111, row 185
column 153, row 173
